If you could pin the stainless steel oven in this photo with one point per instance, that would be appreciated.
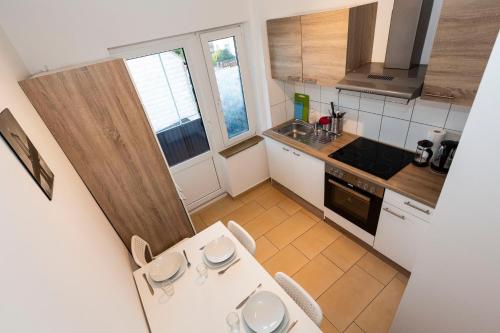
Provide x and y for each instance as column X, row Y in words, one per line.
column 356, row 199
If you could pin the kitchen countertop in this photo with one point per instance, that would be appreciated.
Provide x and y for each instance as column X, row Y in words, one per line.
column 420, row 184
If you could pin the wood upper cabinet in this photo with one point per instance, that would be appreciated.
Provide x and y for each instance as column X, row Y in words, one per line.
column 331, row 43
column 465, row 36
column 95, row 115
column 285, row 50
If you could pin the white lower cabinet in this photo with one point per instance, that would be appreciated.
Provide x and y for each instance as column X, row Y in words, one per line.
column 302, row 174
column 399, row 235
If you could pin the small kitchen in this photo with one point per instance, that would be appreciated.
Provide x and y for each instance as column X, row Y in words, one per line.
column 249, row 166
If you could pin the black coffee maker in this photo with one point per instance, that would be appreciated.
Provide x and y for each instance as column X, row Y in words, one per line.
column 444, row 156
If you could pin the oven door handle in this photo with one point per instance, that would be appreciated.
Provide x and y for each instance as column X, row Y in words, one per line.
column 350, row 190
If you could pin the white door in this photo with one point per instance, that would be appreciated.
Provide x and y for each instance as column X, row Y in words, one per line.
column 309, row 178
column 166, row 76
column 280, row 163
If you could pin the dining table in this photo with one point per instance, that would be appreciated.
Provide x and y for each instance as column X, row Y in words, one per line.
column 199, row 305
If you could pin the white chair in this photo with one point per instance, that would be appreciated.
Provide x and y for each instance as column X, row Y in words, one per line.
column 300, row 296
column 139, row 247
column 243, row 236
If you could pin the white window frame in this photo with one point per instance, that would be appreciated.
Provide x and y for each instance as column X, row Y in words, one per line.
column 237, row 33
column 191, row 48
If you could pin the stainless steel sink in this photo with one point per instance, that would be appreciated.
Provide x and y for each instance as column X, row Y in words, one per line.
column 305, row 133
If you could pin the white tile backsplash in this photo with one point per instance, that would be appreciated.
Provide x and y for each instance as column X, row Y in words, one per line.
column 290, row 109
column 416, row 133
column 457, row 117
column 350, row 119
column 349, row 101
column 278, row 114
column 398, row 108
column 316, row 106
column 276, row 92
column 292, row 87
column 368, row 125
column 371, row 103
column 314, row 92
column 325, row 109
column 430, row 112
column 393, row 131
column 387, row 119
column 329, row 94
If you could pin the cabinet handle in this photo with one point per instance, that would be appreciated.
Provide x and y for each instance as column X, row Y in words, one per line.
column 285, row 149
column 296, row 154
column 294, row 78
column 313, row 81
column 439, row 96
column 426, row 211
column 402, row 217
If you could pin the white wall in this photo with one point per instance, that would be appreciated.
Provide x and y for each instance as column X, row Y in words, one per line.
column 64, row 269
column 58, row 33
column 455, row 286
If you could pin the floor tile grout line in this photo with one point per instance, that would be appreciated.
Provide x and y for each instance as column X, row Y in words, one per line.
column 373, row 276
column 363, row 310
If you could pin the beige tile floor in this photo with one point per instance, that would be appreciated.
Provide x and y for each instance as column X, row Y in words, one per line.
column 356, row 289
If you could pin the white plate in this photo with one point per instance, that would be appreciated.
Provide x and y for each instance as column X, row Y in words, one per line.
column 219, row 250
column 283, row 326
column 264, row 312
column 220, row 264
column 177, row 275
column 165, row 266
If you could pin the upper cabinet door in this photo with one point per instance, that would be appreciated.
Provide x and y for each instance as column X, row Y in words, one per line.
column 285, row 49
column 466, row 32
column 324, row 46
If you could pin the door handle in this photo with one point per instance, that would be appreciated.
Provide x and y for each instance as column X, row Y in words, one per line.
column 439, row 96
column 312, row 81
column 402, row 217
column 426, row 211
column 285, row 149
column 296, row 154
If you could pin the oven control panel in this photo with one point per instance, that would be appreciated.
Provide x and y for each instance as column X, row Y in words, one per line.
column 356, row 181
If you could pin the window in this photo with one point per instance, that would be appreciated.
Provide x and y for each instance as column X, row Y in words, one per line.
column 164, row 84
column 228, row 75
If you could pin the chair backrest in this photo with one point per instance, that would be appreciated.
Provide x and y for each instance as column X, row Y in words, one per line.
column 139, row 247
column 300, row 296
column 243, row 236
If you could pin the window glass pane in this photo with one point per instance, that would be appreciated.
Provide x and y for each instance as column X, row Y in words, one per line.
column 227, row 73
column 164, row 85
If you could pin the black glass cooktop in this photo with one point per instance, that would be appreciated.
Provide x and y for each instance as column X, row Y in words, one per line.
column 373, row 157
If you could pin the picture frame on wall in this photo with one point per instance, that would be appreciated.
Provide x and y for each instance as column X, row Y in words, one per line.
column 26, row 152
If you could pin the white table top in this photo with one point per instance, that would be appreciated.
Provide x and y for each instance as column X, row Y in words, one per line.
column 196, row 308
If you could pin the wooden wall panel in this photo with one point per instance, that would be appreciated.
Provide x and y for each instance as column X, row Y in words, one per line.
column 464, row 39
column 96, row 117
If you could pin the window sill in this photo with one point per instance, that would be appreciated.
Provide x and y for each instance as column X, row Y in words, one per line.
column 239, row 147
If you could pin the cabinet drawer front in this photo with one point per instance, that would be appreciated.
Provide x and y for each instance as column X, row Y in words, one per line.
column 399, row 235
column 409, row 205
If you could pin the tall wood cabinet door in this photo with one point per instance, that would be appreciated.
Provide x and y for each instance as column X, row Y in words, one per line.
column 324, row 47
column 466, row 32
column 96, row 117
column 285, row 48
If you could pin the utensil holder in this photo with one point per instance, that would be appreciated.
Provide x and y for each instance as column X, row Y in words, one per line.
column 337, row 126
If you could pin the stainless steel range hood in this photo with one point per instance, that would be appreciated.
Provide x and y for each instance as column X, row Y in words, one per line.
column 400, row 75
